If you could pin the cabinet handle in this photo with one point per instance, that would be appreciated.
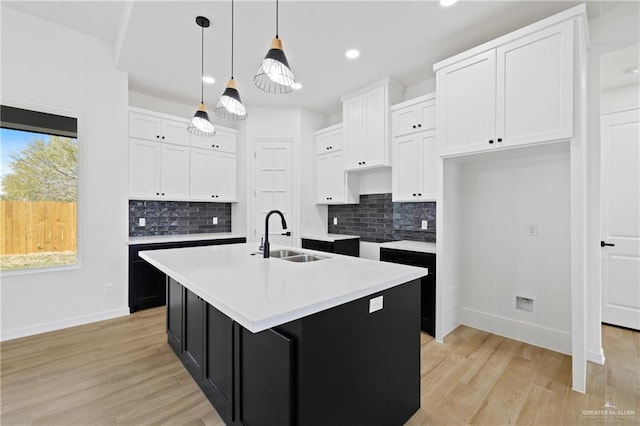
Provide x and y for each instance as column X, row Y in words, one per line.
column 157, row 193
column 499, row 139
column 163, row 193
column 364, row 162
column 419, row 125
column 490, row 140
column 212, row 196
column 419, row 194
column 216, row 196
column 414, row 194
column 414, row 126
column 163, row 137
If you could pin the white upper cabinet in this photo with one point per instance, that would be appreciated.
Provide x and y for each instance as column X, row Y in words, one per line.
column 181, row 167
column 413, row 116
column 158, row 171
column 366, row 125
column 158, row 128
column 333, row 184
column 414, row 176
column 224, row 140
column 518, row 92
column 329, row 139
column 213, row 176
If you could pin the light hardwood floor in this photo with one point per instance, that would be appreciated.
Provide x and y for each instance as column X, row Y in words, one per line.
column 122, row 372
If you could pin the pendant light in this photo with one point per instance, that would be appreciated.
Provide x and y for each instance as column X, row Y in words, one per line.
column 200, row 124
column 274, row 74
column 230, row 105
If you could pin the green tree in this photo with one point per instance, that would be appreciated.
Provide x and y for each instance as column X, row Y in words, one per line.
column 44, row 171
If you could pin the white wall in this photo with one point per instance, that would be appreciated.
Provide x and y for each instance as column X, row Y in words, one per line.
column 612, row 31
column 420, row 88
column 501, row 198
column 298, row 125
column 51, row 67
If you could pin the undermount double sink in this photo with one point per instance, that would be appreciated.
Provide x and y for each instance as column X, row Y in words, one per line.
column 295, row 256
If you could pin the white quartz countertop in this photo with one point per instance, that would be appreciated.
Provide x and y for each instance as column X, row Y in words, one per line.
column 262, row 293
column 179, row 238
column 411, row 246
column 329, row 237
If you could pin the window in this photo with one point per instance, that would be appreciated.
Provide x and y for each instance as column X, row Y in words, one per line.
column 38, row 189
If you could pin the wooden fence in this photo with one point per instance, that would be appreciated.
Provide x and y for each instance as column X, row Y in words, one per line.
column 37, row 226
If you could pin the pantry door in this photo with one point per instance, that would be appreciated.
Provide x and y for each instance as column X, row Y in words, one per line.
column 273, row 188
column 620, row 212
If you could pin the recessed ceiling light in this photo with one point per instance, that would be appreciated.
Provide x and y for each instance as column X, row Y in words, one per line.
column 631, row 72
column 296, row 86
column 352, row 53
column 446, row 3
column 208, row 79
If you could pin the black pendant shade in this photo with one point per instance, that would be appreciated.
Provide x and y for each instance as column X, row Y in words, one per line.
column 200, row 124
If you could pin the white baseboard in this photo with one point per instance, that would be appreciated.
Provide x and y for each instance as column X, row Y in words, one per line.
column 596, row 356
column 549, row 338
column 59, row 325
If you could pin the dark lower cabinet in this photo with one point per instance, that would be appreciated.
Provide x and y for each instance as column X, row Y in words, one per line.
column 266, row 388
column 194, row 326
column 428, row 290
column 146, row 283
column 218, row 378
column 175, row 300
column 342, row 366
column 350, row 247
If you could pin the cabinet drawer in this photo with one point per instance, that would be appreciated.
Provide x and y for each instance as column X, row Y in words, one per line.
column 222, row 141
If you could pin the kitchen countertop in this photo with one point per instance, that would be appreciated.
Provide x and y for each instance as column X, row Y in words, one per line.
column 411, row 246
column 262, row 293
column 329, row 237
column 179, row 238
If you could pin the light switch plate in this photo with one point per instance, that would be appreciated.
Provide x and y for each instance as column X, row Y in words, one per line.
column 532, row 230
column 142, row 221
column 375, row 304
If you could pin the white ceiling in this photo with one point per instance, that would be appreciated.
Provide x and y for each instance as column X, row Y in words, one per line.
column 158, row 42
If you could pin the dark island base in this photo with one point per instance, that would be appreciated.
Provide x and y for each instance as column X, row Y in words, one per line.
column 342, row 366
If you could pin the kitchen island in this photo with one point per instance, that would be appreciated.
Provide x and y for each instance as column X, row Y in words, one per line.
column 277, row 341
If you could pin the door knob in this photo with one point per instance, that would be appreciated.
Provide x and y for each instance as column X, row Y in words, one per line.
column 603, row 244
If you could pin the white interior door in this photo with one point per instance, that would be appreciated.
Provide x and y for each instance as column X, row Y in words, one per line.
column 273, row 189
column 620, row 138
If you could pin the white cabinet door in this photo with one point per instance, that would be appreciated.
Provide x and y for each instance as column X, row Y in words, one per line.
column 223, row 140
column 202, row 175
column 332, row 184
column 404, row 121
column 427, row 175
column 466, row 104
column 174, row 172
column 225, row 177
column 174, row 131
column 353, row 112
column 375, row 128
column 404, row 172
column 144, row 159
column 323, row 176
column 330, row 139
column 427, row 115
column 535, row 87
column 143, row 126
column 415, row 117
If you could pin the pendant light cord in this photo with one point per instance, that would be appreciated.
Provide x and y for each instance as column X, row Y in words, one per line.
column 276, row 18
column 202, row 65
column 232, row 20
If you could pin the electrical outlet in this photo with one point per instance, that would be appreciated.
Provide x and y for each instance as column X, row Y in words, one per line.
column 532, row 230
column 215, row 220
column 142, row 222
column 425, row 225
column 375, row 304
column 335, row 220
column 108, row 288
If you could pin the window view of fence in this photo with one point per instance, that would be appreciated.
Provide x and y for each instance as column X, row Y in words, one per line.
column 38, row 190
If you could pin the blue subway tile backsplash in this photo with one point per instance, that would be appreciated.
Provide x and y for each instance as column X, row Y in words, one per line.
column 177, row 217
column 377, row 219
